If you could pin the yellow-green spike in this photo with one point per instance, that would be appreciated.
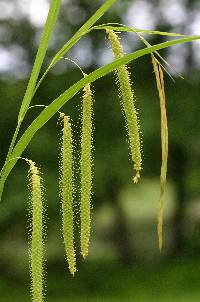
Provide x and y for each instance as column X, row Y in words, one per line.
column 128, row 103
column 86, row 169
column 37, row 233
column 66, row 192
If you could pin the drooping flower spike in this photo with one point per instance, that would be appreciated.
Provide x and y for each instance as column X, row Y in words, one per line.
column 86, row 169
column 128, row 100
column 66, row 191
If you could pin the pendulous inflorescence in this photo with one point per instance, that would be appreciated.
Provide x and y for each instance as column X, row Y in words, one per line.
column 164, row 143
column 37, row 233
column 128, row 104
column 66, row 192
column 86, row 169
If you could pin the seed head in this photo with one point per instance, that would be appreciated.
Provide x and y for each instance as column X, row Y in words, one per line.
column 86, row 169
column 37, row 234
column 66, row 192
column 128, row 104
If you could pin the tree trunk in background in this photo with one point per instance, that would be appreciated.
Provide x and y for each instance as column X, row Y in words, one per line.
column 178, row 172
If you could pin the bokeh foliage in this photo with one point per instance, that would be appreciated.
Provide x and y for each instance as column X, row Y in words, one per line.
column 112, row 165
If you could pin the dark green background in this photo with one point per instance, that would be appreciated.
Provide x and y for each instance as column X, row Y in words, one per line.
column 124, row 263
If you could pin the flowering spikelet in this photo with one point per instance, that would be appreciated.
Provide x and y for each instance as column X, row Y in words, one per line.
column 37, row 246
column 128, row 104
column 66, row 192
column 164, row 142
column 86, row 169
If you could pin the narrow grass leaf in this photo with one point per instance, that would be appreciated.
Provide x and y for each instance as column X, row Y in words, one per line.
column 124, row 28
column 85, row 28
column 46, row 35
column 49, row 111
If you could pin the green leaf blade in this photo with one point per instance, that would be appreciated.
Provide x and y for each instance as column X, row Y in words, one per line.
column 49, row 111
column 30, row 90
column 136, row 30
column 76, row 37
column 46, row 35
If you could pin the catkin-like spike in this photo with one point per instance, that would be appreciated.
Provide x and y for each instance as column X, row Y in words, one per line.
column 128, row 104
column 86, row 169
column 164, row 143
column 66, row 192
column 37, row 234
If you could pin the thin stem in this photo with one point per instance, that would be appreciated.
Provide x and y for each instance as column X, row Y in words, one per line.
column 72, row 61
column 12, row 143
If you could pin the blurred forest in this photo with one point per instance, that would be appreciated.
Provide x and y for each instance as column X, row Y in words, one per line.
column 124, row 263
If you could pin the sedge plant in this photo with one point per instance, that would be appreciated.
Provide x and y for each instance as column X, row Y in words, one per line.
column 127, row 94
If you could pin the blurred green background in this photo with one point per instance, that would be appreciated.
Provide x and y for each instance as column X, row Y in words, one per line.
column 124, row 263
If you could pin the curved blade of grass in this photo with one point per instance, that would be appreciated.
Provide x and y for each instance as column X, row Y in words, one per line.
column 76, row 37
column 49, row 111
column 131, row 29
column 46, row 35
